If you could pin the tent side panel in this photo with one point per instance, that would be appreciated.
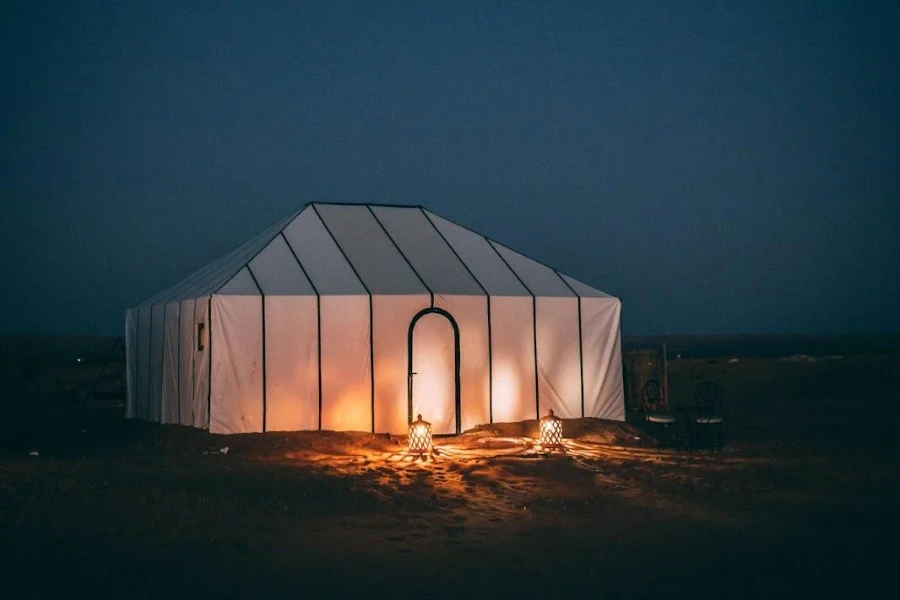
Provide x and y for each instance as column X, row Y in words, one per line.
column 186, row 362
column 157, row 340
column 392, row 316
column 292, row 363
column 141, row 410
column 277, row 271
column 604, row 395
column 170, row 364
column 559, row 366
column 429, row 254
column 512, row 341
column 327, row 268
column 370, row 250
column 476, row 252
column 346, row 368
column 200, row 396
column 470, row 313
column 540, row 279
column 236, row 402
column 130, row 361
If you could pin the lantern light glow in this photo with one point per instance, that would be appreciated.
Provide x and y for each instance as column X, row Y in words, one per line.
column 550, row 431
column 419, row 436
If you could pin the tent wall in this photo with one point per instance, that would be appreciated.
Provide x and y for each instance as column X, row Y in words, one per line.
column 470, row 314
column 602, row 348
column 170, row 408
column 236, row 391
column 558, row 357
column 131, row 355
column 391, row 316
column 292, row 363
column 186, row 348
column 307, row 325
column 346, row 364
column 157, row 335
column 512, row 341
column 143, row 363
column 200, row 397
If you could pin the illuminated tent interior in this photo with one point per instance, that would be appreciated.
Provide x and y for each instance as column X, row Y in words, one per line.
column 359, row 317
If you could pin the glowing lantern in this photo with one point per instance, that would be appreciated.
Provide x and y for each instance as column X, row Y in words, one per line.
column 419, row 436
column 551, row 431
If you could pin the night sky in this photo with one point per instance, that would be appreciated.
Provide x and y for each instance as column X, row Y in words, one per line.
column 721, row 169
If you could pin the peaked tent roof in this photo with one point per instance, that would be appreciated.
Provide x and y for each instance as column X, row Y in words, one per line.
column 340, row 249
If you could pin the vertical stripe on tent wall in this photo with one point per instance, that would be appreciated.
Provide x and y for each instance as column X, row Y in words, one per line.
column 130, row 362
column 186, row 363
column 371, row 328
column 318, row 329
column 537, row 395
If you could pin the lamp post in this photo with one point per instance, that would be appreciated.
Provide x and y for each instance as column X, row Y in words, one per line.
column 551, row 431
column 419, row 436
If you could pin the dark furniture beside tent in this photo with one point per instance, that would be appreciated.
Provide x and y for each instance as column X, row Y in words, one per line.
column 656, row 413
column 709, row 399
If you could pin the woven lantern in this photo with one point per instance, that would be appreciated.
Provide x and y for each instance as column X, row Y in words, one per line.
column 551, row 431
column 419, row 436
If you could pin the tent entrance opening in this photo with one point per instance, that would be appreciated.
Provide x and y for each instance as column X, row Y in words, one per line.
column 433, row 370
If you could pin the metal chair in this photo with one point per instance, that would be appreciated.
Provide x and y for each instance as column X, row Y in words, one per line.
column 656, row 412
column 709, row 398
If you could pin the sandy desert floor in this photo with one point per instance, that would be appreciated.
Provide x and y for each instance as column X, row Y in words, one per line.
column 802, row 501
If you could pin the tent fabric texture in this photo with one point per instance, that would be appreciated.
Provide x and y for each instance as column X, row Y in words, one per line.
column 362, row 316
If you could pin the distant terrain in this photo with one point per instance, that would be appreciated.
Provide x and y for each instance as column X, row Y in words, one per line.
column 767, row 346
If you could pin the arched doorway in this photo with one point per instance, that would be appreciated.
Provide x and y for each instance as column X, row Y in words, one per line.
column 433, row 376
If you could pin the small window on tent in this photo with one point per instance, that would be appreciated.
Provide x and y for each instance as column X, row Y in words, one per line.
column 201, row 336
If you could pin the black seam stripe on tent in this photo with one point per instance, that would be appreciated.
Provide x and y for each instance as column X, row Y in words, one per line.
column 318, row 319
column 537, row 397
column 542, row 263
column 580, row 338
column 488, row 296
column 189, row 282
column 149, row 366
column 162, row 364
column 209, row 360
column 135, row 408
column 228, row 271
column 193, row 363
column 371, row 315
column 376, row 204
column 137, row 342
column 264, row 382
column 287, row 221
column 178, row 368
column 299, row 264
column 416, row 273
column 195, row 282
column 340, row 249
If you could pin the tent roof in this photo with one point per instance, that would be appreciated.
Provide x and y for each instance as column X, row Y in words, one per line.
column 348, row 249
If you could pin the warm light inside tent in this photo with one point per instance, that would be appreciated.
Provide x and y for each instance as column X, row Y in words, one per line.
column 419, row 436
column 551, row 431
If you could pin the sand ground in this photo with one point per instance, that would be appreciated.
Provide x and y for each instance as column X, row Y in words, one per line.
column 802, row 501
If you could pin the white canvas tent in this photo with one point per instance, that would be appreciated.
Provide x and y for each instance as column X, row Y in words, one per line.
column 359, row 317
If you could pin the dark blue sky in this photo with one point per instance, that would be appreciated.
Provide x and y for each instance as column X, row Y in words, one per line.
column 721, row 169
